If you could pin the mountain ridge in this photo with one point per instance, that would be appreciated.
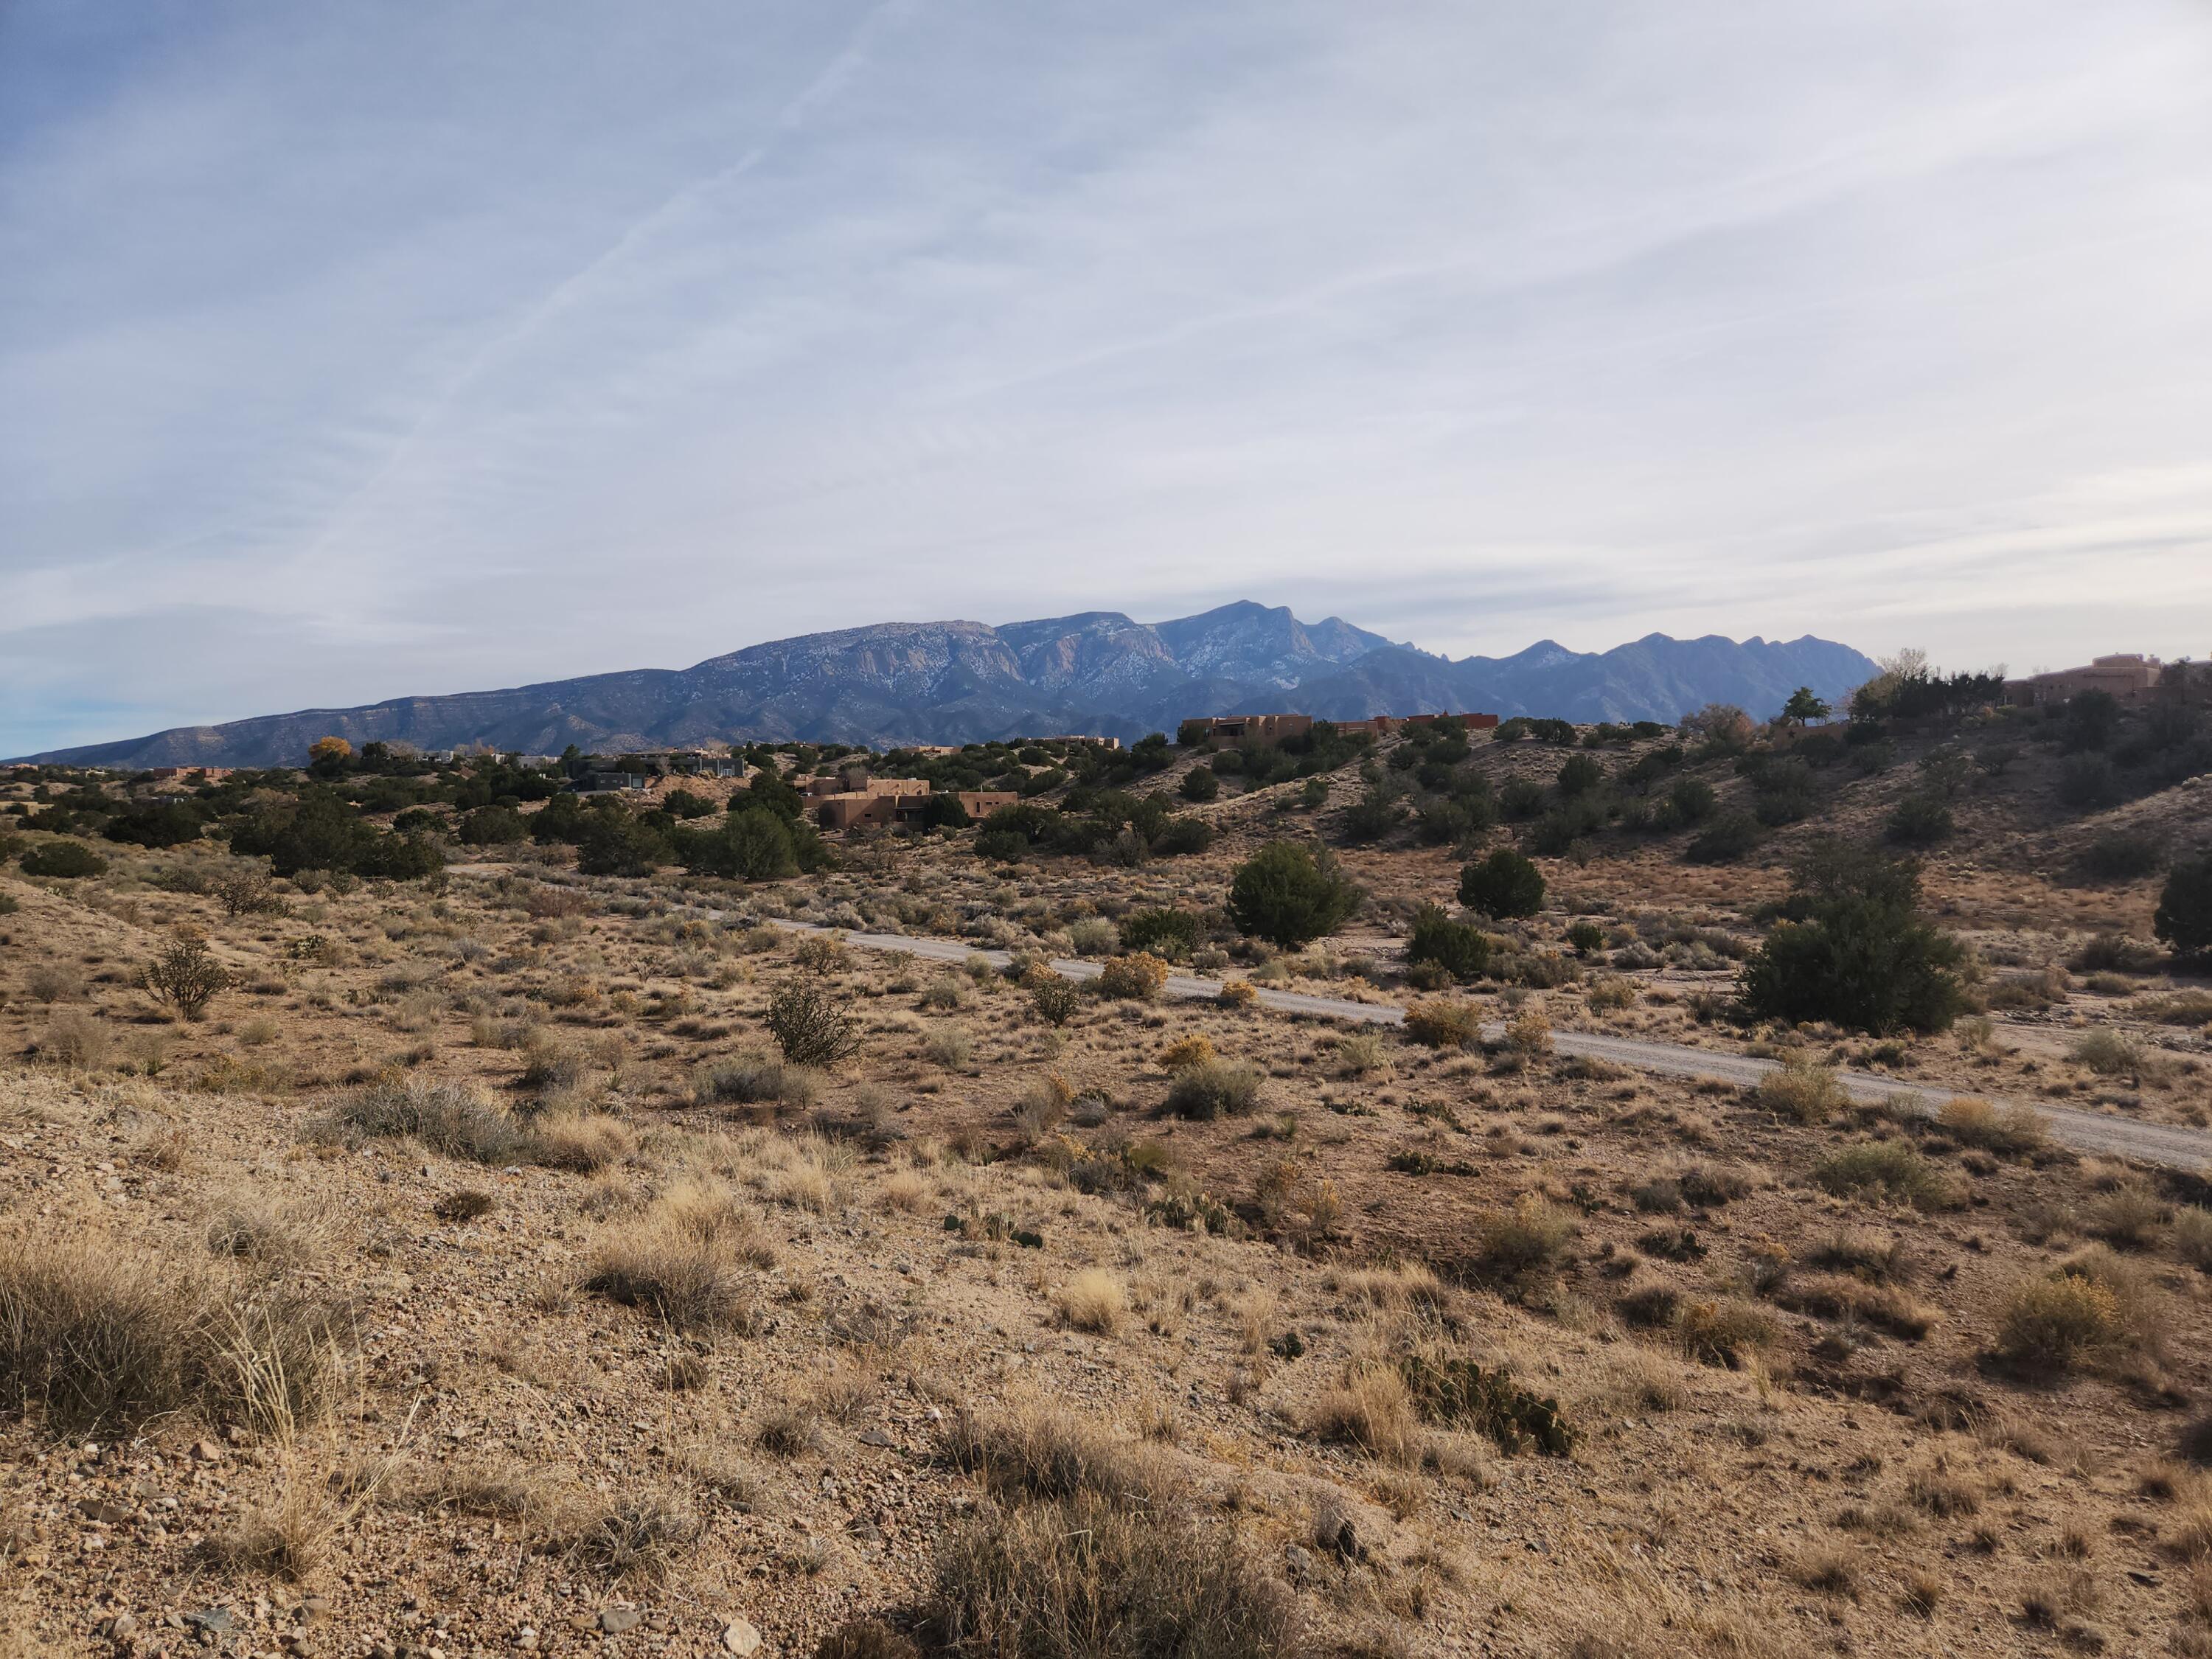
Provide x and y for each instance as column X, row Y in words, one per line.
column 960, row 681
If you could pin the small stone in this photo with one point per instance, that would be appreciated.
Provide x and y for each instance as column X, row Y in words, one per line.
column 314, row 1610
column 206, row 1451
column 875, row 1438
column 740, row 1639
column 615, row 1621
column 218, row 1621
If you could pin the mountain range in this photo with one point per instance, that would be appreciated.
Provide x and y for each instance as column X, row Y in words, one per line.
column 963, row 682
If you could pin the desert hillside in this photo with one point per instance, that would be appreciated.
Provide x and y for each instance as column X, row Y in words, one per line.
column 561, row 1242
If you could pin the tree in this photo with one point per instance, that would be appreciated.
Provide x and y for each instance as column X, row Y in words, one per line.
column 1919, row 820
column 1200, row 784
column 1579, row 776
column 1290, row 895
column 161, row 824
column 2184, row 921
column 1504, row 885
column 65, row 858
column 1805, row 706
column 755, row 845
column 1460, row 948
column 614, row 843
column 492, row 826
column 1855, row 950
column 1729, row 838
column 327, row 757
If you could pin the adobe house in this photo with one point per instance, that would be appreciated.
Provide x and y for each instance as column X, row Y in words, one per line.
column 888, row 801
column 2129, row 677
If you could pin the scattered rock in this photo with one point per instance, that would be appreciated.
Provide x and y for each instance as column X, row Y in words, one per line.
column 615, row 1621
column 216, row 1621
column 740, row 1639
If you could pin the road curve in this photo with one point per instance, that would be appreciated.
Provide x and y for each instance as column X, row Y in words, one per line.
column 2089, row 1131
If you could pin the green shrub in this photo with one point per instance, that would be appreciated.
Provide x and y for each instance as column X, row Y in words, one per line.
column 1175, row 931
column 1503, row 885
column 1885, row 1169
column 1215, row 1089
column 1856, row 953
column 160, row 824
column 1919, row 820
column 1290, row 895
column 1728, row 839
column 493, row 826
column 1199, row 784
column 1579, row 776
column 2123, row 855
column 67, row 860
column 1692, row 801
column 1055, row 999
column 2184, row 921
column 2088, row 781
column 1460, row 948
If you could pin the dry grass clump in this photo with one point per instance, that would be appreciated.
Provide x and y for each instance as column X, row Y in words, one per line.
column 2008, row 1131
column 865, row 1638
column 1841, row 1296
column 1440, row 1023
column 1889, row 1169
column 2095, row 1306
column 1802, row 1091
column 1522, row 1246
column 638, row 1536
column 751, row 1079
column 75, row 1036
column 583, row 1141
column 1033, row 1450
column 1218, row 1088
column 1095, row 1301
column 1724, row 1330
column 1079, row 1578
column 96, row 1334
column 1372, row 1408
column 249, row 1227
column 2191, row 1237
column 450, row 1119
column 681, row 1261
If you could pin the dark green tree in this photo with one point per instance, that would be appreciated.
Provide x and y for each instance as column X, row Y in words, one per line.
column 2184, row 921
column 1460, row 948
column 1504, row 885
column 1290, row 895
column 1855, row 950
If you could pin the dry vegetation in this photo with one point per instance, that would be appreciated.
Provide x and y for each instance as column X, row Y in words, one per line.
column 534, row 1262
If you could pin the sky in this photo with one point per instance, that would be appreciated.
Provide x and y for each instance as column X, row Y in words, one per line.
column 349, row 350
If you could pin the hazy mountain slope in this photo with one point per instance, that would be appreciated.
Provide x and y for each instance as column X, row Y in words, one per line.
column 957, row 682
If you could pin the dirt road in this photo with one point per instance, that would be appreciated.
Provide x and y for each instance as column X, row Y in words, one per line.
column 2087, row 1131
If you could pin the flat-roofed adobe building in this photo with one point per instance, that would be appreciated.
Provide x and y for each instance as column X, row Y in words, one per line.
column 884, row 802
column 2128, row 676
